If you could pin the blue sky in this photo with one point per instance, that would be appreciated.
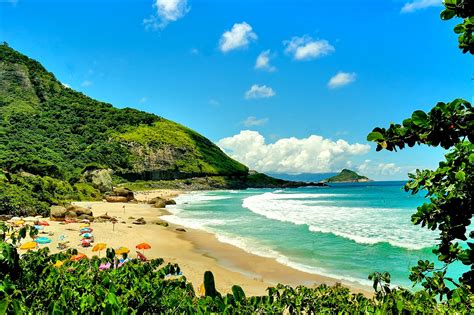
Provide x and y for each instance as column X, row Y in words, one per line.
column 329, row 70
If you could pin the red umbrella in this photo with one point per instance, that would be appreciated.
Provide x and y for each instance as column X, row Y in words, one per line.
column 44, row 223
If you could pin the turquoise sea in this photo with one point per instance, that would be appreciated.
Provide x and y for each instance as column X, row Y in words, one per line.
column 345, row 231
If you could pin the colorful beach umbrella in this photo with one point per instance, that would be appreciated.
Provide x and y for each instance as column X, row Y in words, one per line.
column 98, row 247
column 44, row 223
column 78, row 257
column 29, row 245
column 84, row 225
column 143, row 246
column 19, row 222
column 122, row 250
column 43, row 240
column 87, row 235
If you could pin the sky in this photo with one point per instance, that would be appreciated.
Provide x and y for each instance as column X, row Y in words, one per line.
column 284, row 86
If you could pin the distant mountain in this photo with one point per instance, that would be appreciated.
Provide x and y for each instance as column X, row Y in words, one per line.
column 304, row 177
column 346, row 176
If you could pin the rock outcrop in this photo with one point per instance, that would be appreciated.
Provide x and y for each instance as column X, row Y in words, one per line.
column 60, row 213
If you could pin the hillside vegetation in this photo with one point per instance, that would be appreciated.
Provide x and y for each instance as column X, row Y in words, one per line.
column 50, row 135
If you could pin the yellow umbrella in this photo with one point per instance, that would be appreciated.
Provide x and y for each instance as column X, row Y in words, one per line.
column 29, row 245
column 58, row 263
column 19, row 222
column 83, row 225
column 122, row 250
column 99, row 247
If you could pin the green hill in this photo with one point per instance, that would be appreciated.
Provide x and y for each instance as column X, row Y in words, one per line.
column 346, row 176
column 51, row 137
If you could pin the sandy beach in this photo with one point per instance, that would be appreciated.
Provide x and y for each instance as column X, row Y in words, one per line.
column 195, row 251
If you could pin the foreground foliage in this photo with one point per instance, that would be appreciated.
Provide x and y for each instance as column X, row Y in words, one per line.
column 37, row 283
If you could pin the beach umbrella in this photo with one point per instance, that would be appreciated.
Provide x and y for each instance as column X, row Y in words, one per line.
column 78, row 257
column 86, row 242
column 58, row 263
column 29, row 245
column 122, row 250
column 43, row 240
column 44, row 223
column 143, row 246
column 87, row 235
column 84, row 225
column 39, row 227
column 85, row 230
column 99, row 247
column 19, row 222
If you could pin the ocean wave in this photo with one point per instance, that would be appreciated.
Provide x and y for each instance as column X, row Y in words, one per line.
column 253, row 247
column 367, row 225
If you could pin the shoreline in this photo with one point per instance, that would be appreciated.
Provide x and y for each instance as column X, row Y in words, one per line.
column 195, row 251
column 264, row 269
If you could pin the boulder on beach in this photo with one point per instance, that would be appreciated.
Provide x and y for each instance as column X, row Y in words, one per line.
column 159, row 204
column 160, row 222
column 123, row 192
column 180, row 230
column 170, row 202
column 70, row 215
column 86, row 217
column 58, row 213
column 139, row 221
column 116, row 199
column 79, row 210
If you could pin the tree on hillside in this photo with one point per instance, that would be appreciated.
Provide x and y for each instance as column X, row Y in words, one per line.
column 450, row 187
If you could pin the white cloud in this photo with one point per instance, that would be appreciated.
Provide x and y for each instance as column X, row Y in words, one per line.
column 253, row 121
column 259, row 91
column 263, row 62
column 372, row 168
column 306, row 48
column 290, row 155
column 239, row 36
column 341, row 79
column 420, row 4
column 86, row 83
column 167, row 11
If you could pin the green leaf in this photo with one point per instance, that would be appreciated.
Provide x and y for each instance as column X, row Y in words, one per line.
column 447, row 14
column 461, row 175
column 374, row 136
column 419, row 118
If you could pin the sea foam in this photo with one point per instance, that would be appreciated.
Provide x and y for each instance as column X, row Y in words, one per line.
column 364, row 225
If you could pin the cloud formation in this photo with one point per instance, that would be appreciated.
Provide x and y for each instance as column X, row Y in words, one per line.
column 341, row 79
column 167, row 11
column 253, row 121
column 306, row 48
column 259, row 91
column 420, row 4
column 263, row 62
column 385, row 169
column 239, row 36
column 290, row 155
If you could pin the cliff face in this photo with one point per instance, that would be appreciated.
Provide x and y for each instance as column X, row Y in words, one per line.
column 48, row 129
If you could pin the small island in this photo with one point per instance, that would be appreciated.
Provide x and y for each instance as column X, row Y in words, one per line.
column 347, row 176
